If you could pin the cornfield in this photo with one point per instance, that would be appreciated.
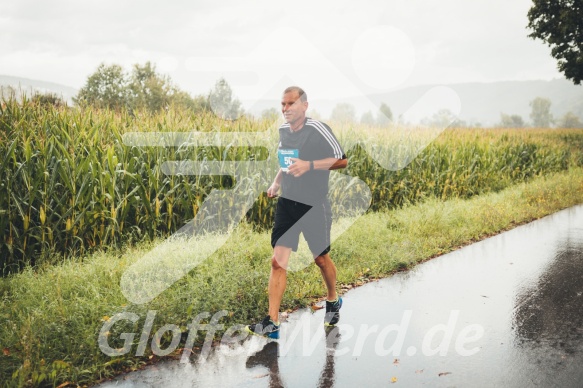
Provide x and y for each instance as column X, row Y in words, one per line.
column 71, row 183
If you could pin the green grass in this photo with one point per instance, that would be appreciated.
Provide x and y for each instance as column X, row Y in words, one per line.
column 50, row 317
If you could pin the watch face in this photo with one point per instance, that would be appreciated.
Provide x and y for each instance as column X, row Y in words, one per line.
column 285, row 156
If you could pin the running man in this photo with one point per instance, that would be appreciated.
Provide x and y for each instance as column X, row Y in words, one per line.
column 307, row 151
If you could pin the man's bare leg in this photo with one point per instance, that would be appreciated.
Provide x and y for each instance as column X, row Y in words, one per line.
column 328, row 270
column 277, row 279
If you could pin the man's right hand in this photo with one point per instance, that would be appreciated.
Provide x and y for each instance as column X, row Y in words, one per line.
column 273, row 190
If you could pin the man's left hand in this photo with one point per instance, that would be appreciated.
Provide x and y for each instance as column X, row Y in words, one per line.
column 298, row 167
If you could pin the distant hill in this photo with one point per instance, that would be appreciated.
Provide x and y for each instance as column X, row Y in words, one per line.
column 25, row 85
column 484, row 102
column 480, row 102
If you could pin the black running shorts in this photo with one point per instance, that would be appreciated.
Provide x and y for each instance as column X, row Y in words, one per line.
column 293, row 218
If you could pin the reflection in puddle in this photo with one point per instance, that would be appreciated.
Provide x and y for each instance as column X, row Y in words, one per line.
column 333, row 337
column 548, row 317
column 268, row 357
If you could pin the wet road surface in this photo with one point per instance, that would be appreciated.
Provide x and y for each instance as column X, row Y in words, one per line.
column 503, row 312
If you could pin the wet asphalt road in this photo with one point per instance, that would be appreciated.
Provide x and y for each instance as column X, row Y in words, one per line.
column 503, row 312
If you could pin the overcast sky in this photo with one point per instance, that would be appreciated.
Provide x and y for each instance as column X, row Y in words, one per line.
column 331, row 48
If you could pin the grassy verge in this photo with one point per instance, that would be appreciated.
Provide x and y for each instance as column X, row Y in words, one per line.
column 50, row 318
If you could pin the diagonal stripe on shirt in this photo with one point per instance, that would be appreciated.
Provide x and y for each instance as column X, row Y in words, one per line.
column 328, row 136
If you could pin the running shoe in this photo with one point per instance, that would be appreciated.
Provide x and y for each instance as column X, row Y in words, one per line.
column 265, row 328
column 332, row 312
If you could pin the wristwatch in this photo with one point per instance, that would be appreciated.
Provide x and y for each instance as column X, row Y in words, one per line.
column 311, row 165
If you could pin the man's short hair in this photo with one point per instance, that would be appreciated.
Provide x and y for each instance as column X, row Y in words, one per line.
column 303, row 95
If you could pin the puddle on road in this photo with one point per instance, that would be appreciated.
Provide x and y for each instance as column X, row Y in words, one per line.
column 548, row 320
column 506, row 311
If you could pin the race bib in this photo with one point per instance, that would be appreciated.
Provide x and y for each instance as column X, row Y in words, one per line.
column 285, row 157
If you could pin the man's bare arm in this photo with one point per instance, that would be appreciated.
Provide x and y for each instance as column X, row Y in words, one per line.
column 330, row 164
column 273, row 190
column 300, row 167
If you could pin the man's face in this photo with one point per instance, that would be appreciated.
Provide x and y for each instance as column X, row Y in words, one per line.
column 293, row 108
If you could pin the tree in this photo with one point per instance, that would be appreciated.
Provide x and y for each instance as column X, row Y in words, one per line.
column 314, row 114
column 570, row 120
column 153, row 91
column 367, row 118
column 541, row 112
column 48, row 99
column 385, row 116
column 149, row 89
column 559, row 23
column 222, row 103
column 270, row 114
column 107, row 87
column 442, row 119
column 111, row 87
column 343, row 112
column 474, row 124
column 197, row 104
column 511, row 121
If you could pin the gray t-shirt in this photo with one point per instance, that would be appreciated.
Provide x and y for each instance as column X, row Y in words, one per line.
column 314, row 141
